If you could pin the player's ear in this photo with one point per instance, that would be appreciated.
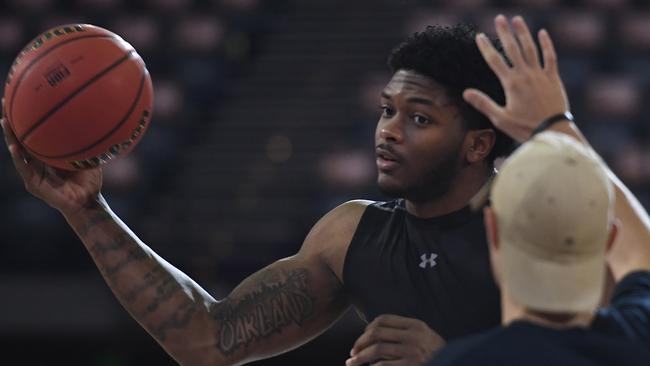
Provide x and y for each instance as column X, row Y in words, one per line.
column 479, row 144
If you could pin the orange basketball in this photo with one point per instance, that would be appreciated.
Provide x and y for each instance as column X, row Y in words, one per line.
column 78, row 96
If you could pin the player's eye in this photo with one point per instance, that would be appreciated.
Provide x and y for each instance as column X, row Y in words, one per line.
column 386, row 111
column 421, row 120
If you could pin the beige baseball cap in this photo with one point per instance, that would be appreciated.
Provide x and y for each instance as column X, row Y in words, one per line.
column 553, row 204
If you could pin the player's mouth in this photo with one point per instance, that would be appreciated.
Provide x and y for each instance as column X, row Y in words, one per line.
column 386, row 159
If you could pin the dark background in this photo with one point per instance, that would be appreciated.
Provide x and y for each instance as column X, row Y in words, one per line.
column 263, row 121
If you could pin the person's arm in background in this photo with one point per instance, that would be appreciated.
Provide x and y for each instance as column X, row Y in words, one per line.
column 536, row 92
column 274, row 310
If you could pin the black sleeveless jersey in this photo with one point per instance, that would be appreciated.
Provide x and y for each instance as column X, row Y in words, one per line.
column 436, row 270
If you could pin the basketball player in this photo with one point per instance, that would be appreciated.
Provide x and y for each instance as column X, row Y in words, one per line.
column 550, row 228
column 416, row 267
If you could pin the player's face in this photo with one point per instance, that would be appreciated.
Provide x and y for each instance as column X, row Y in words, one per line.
column 419, row 138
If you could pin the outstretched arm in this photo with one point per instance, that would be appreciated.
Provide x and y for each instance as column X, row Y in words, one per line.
column 535, row 92
column 274, row 310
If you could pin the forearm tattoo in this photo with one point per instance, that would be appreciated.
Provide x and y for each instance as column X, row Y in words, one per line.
column 94, row 220
column 115, row 254
column 281, row 300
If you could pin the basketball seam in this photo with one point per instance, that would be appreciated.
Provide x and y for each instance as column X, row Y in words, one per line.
column 109, row 133
column 36, row 59
column 42, row 120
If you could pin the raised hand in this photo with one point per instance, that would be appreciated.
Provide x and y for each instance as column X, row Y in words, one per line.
column 395, row 340
column 534, row 91
column 67, row 191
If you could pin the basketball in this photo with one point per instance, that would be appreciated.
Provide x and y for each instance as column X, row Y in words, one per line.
column 78, row 96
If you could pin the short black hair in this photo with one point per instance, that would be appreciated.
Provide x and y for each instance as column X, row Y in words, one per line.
column 450, row 56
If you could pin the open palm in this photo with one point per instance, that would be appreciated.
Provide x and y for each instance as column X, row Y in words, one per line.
column 534, row 91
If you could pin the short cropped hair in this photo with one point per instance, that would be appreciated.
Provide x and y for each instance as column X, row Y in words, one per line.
column 450, row 56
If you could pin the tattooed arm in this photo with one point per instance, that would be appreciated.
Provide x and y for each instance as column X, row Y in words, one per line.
column 276, row 309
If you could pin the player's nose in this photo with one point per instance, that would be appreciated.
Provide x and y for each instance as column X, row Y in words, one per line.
column 390, row 130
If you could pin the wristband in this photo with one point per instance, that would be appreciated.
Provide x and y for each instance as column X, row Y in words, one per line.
column 566, row 116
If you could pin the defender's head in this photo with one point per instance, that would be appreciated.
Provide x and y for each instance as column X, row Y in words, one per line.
column 550, row 225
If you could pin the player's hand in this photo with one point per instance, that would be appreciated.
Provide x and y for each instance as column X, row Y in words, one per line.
column 395, row 340
column 67, row 191
column 534, row 92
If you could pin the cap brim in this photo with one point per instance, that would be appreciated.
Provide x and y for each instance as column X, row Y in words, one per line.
column 553, row 286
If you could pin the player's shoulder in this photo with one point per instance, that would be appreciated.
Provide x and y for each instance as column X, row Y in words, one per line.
column 343, row 217
column 330, row 237
column 347, row 216
column 359, row 203
column 355, row 207
column 352, row 207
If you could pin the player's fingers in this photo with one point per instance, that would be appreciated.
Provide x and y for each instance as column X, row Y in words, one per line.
column 399, row 362
column 17, row 156
column 484, row 104
column 10, row 138
column 508, row 40
column 377, row 335
column 376, row 352
column 392, row 321
column 8, row 133
column 21, row 163
column 492, row 57
column 526, row 41
column 548, row 52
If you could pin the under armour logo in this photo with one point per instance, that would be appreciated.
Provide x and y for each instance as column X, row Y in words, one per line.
column 431, row 261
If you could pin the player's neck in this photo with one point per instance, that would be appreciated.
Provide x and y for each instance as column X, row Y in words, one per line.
column 466, row 185
column 511, row 311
